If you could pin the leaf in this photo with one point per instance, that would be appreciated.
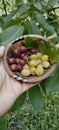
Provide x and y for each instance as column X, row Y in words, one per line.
column 18, row 1
column 55, row 39
column 22, row 9
column 7, row 19
column 3, row 123
column 29, row 42
column 38, row 5
column 50, row 49
column 52, row 83
column 51, row 3
column 10, row 34
column 36, row 97
column 44, row 23
column 19, row 102
column 33, row 28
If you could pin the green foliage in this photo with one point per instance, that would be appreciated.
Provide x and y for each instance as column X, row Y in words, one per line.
column 28, row 119
column 50, row 49
column 32, row 28
column 29, row 42
column 3, row 123
column 42, row 21
column 35, row 97
column 10, row 34
column 52, row 83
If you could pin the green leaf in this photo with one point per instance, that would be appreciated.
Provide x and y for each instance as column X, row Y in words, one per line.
column 33, row 28
column 7, row 19
column 18, row 1
column 10, row 34
column 55, row 39
column 44, row 23
column 19, row 102
column 29, row 42
column 22, row 9
column 38, row 5
column 50, row 49
column 3, row 123
column 51, row 3
column 52, row 83
column 36, row 97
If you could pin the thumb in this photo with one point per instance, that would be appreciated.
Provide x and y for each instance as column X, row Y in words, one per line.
column 2, row 48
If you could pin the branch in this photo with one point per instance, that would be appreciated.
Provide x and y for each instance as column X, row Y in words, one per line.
column 4, row 6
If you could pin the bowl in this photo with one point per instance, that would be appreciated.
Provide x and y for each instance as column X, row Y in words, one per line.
column 16, row 75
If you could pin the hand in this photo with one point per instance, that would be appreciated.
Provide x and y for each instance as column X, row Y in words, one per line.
column 10, row 89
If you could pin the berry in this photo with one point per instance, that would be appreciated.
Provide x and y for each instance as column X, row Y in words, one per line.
column 33, row 51
column 25, row 66
column 39, row 55
column 44, row 58
column 25, row 72
column 11, row 61
column 23, row 49
column 22, row 62
column 32, row 70
column 17, row 53
column 45, row 64
column 33, row 57
column 25, row 58
column 22, row 55
column 39, row 66
column 38, row 61
column 32, row 63
column 20, row 68
column 14, row 67
column 17, row 60
column 39, row 71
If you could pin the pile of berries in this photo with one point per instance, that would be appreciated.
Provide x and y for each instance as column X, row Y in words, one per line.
column 28, row 61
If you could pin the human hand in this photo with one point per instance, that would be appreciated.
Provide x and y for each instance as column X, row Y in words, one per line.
column 10, row 89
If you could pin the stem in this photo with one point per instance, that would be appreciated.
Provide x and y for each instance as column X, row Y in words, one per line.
column 4, row 6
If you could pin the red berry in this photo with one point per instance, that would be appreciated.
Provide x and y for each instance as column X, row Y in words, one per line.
column 25, row 58
column 22, row 55
column 23, row 49
column 11, row 61
column 22, row 62
column 34, row 51
column 17, row 60
column 20, row 68
column 17, row 53
column 14, row 67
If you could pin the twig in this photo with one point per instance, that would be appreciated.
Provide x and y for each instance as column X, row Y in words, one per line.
column 4, row 6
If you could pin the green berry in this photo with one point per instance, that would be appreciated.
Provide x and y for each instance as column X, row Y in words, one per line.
column 39, row 55
column 39, row 66
column 33, row 57
column 25, row 66
column 33, row 63
column 32, row 70
column 39, row 71
column 44, row 58
column 38, row 61
column 45, row 64
column 25, row 72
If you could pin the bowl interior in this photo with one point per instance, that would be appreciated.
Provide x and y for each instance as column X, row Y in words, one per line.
column 17, row 75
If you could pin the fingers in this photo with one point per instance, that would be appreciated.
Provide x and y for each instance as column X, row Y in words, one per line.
column 2, row 48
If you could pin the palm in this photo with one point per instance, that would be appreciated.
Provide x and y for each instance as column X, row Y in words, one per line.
column 10, row 89
column 11, row 84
